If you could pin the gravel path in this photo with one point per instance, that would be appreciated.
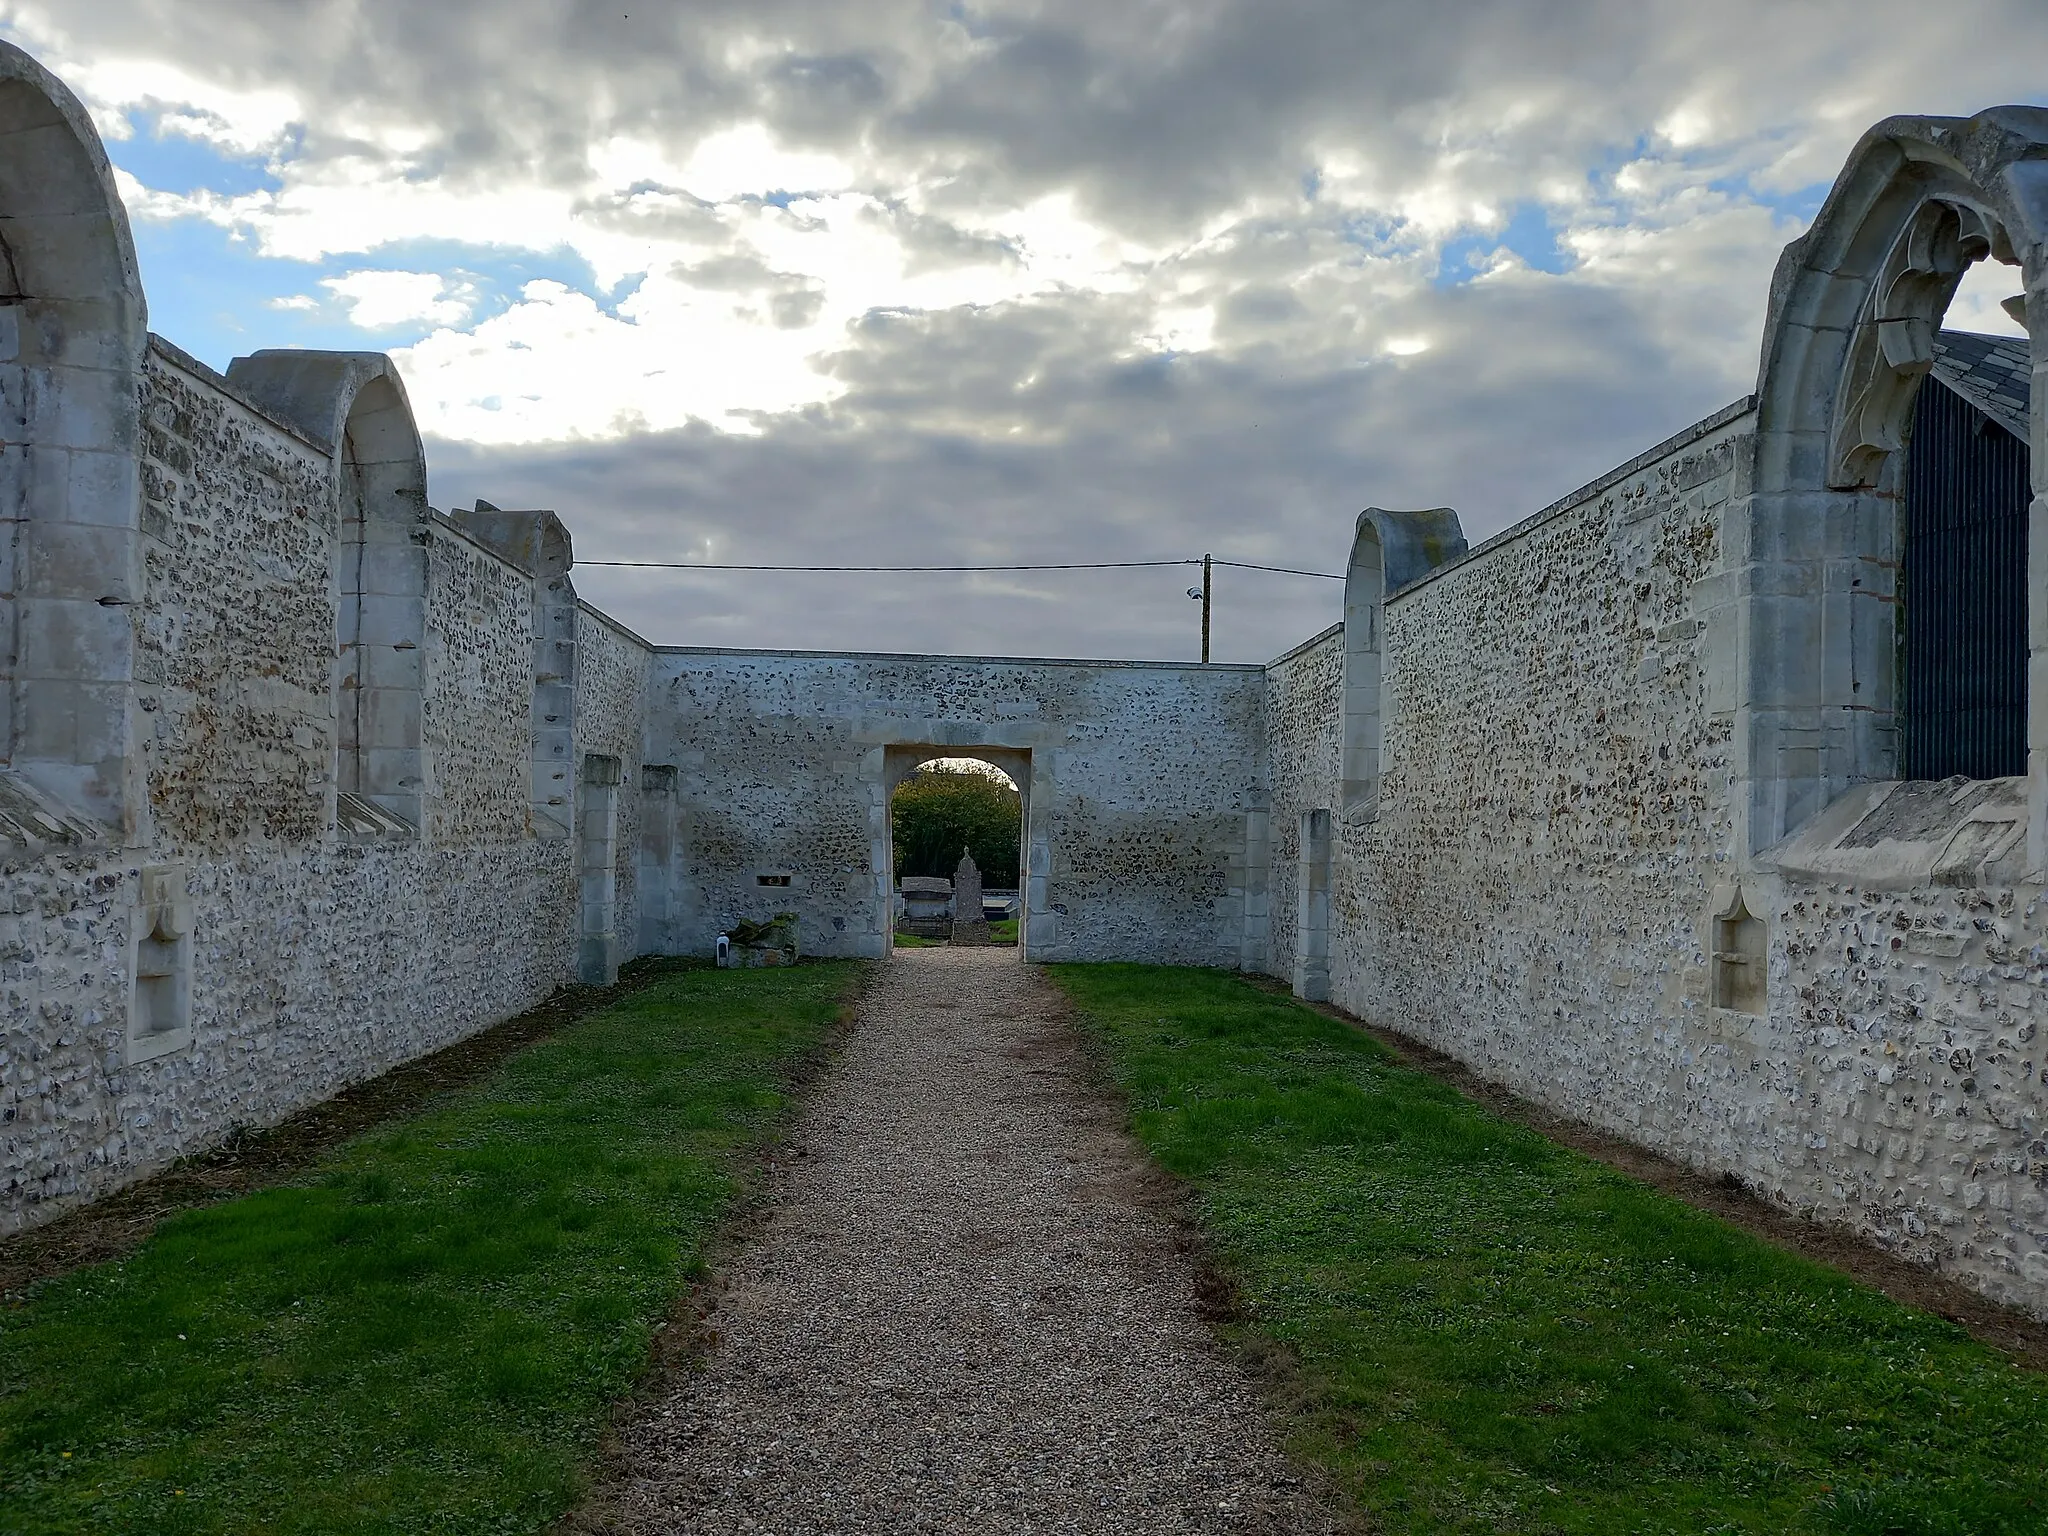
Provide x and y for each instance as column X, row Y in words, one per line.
column 959, row 1313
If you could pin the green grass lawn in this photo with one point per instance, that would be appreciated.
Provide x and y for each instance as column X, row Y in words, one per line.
column 1492, row 1333
column 427, row 1331
column 1004, row 932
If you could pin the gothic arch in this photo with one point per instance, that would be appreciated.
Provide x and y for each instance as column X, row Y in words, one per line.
column 1855, row 304
column 1389, row 551
column 73, row 331
column 354, row 404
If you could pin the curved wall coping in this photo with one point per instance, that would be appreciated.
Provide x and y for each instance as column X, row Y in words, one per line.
column 185, row 362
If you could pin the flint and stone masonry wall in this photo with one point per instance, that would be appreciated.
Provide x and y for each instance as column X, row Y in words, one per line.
column 1546, row 855
column 611, row 702
column 314, row 962
column 1553, row 840
column 1138, row 781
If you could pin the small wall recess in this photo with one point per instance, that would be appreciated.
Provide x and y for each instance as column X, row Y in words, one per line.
column 160, row 998
column 1741, row 958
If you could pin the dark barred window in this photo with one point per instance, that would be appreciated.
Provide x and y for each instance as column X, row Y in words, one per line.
column 1964, row 651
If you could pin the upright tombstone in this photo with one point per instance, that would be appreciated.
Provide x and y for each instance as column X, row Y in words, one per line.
column 970, row 925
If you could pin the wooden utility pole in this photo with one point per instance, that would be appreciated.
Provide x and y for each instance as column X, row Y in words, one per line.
column 1208, row 588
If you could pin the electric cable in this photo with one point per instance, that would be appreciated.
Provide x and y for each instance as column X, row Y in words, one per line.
column 1067, row 565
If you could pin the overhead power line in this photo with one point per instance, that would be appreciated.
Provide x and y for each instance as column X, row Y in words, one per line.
column 1284, row 570
column 1066, row 565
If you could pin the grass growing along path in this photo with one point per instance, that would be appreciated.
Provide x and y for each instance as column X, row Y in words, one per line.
column 1495, row 1333
column 1004, row 932
column 425, row 1333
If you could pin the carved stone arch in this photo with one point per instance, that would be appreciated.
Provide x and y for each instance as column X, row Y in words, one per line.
column 354, row 404
column 1892, row 347
column 1814, row 545
column 73, row 332
column 1389, row 551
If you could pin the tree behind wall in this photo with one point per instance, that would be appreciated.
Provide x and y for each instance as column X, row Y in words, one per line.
column 939, row 811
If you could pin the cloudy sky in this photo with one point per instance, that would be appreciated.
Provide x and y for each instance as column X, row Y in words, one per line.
column 898, row 281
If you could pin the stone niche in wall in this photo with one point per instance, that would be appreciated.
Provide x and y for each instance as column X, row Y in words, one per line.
column 1741, row 955
column 160, row 970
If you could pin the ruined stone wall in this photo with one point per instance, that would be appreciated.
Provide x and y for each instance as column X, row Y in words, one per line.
column 1552, row 804
column 1141, row 776
column 313, row 963
column 235, row 641
column 1900, row 1080
column 1553, row 835
column 477, row 699
column 611, row 708
column 1304, row 697
column 63, row 994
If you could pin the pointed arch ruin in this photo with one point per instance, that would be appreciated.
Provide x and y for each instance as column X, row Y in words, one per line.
column 1814, row 544
column 1389, row 550
column 355, row 404
column 73, row 331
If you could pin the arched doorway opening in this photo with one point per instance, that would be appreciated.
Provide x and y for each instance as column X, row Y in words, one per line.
column 942, row 807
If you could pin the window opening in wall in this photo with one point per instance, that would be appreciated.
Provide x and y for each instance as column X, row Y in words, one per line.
column 948, row 807
column 597, row 822
column 1740, row 960
column 1963, row 658
column 554, row 683
column 771, row 879
column 160, row 1005
column 1829, row 673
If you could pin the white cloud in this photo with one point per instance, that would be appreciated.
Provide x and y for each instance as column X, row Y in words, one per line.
column 746, row 160
column 382, row 301
column 556, row 366
column 1979, row 302
column 1095, row 276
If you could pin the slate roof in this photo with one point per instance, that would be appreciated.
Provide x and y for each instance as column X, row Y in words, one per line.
column 1991, row 372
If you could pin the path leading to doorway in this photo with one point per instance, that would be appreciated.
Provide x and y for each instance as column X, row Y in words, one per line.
column 960, row 1314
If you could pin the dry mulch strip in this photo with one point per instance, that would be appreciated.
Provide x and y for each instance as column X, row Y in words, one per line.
column 117, row 1224
column 2004, row 1328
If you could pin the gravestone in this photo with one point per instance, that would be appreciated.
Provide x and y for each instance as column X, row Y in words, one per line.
column 970, row 926
column 927, row 907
